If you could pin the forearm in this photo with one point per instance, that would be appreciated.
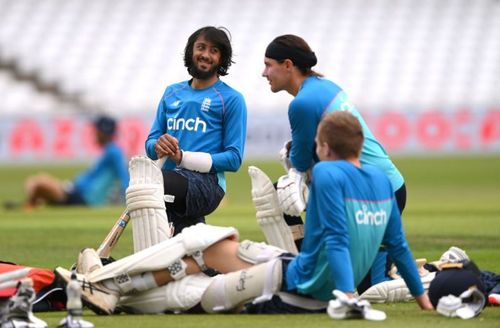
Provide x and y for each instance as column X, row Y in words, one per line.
column 229, row 160
column 424, row 302
column 157, row 130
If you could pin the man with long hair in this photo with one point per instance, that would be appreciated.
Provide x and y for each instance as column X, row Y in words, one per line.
column 200, row 127
column 288, row 66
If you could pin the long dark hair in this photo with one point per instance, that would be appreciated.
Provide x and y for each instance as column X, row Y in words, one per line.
column 219, row 36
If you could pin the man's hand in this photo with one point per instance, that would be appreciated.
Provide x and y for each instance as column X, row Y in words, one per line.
column 292, row 192
column 168, row 146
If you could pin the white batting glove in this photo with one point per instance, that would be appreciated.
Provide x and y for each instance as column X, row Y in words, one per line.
column 292, row 192
column 466, row 306
column 344, row 307
column 285, row 155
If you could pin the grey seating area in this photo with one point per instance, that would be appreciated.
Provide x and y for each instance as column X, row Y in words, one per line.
column 118, row 55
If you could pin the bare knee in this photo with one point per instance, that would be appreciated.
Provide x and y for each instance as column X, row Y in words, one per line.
column 223, row 256
column 44, row 187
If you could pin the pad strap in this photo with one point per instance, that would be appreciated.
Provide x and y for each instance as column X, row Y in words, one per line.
column 124, row 282
column 198, row 258
column 177, row 269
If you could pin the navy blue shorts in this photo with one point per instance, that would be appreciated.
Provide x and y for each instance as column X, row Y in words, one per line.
column 73, row 196
column 202, row 197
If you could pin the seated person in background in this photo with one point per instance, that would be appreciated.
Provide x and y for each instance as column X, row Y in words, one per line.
column 92, row 187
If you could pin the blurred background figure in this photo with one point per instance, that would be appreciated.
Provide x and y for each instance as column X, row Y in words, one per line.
column 93, row 187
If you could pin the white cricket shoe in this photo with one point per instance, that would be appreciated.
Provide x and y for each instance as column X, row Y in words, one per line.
column 95, row 296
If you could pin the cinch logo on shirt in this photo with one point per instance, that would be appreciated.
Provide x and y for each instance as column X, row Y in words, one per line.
column 189, row 124
column 365, row 216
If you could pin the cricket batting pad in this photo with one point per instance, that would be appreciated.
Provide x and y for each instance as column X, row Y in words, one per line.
column 88, row 261
column 165, row 255
column 176, row 296
column 268, row 211
column 229, row 291
column 254, row 252
column 145, row 203
column 393, row 291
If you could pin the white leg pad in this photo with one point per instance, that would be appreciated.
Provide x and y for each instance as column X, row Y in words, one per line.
column 88, row 261
column 176, row 296
column 268, row 211
column 393, row 291
column 254, row 252
column 229, row 291
column 158, row 257
column 145, row 203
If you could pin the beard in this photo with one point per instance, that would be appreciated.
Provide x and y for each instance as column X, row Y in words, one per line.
column 199, row 74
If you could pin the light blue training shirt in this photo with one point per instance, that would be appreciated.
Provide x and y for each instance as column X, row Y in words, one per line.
column 211, row 120
column 96, row 184
column 350, row 212
column 316, row 97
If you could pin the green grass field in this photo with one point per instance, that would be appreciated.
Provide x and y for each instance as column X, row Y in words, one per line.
column 451, row 201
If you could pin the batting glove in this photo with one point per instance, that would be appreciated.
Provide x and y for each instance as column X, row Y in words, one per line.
column 343, row 307
column 292, row 192
column 466, row 306
column 285, row 155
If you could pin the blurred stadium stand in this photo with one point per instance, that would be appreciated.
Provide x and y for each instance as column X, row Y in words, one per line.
column 118, row 55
